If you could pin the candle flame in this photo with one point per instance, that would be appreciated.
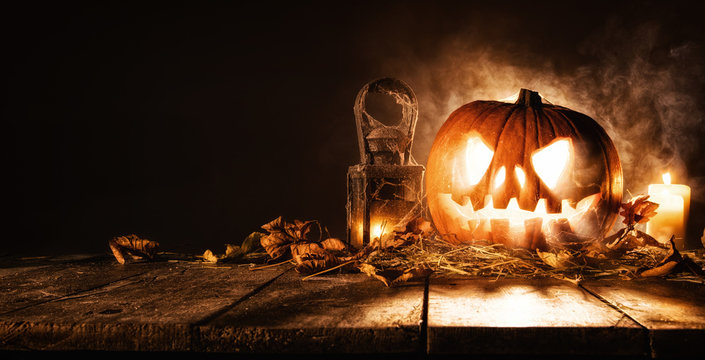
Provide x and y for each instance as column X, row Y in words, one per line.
column 667, row 178
column 377, row 229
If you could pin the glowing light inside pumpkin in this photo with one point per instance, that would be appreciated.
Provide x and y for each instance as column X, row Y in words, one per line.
column 521, row 223
column 478, row 157
column 511, row 223
column 514, row 212
column 499, row 177
column 551, row 161
column 521, row 177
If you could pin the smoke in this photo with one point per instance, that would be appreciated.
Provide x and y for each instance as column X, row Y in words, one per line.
column 646, row 94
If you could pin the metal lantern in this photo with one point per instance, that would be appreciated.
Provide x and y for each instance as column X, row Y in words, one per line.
column 385, row 190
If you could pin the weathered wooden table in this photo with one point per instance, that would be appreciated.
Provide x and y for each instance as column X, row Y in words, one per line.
column 91, row 304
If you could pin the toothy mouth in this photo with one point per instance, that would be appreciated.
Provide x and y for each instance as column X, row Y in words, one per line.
column 515, row 214
column 515, row 226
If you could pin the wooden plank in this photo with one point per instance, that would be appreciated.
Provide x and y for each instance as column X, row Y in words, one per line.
column 153, row 311
column 42, row 281
column 519, row 317
column 672, row 311
column 340, row 313
column 11, row 266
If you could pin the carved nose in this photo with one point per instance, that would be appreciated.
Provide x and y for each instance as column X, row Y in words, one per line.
column 507, row 184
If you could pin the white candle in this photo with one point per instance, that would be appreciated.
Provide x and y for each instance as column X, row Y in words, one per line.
column 672, row 213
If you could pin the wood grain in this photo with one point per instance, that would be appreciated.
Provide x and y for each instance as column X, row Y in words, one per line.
column 343, row 313
column 540, row 317
column 154, row 311
column 672, row 311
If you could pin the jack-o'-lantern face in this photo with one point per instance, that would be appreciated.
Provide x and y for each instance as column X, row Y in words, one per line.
column 522, row 174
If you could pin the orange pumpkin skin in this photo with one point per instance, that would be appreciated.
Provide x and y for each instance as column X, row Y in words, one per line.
column 513, row 134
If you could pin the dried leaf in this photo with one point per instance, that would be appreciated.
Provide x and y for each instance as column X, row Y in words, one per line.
column 391, row 277
column 396, row 240
column 663, row 269
column 117, row 251
column 232, row 251
column 647, row 240
column 384, row 277
column 560, row 259
column 667, row 265
column 673, row 263
column 333, row 244
column 249, row 245
column 638, row 210
column 134, row 246
column 412, row 274
column 304, row 248
column 282, row 234
column 208, row 256
column 251, row 242
column 366, row 268
column 310, row 263
column 419, row 225
column 276, row 244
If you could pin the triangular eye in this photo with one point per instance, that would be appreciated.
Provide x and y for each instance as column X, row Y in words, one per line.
column 478, row 157
column 552, row 161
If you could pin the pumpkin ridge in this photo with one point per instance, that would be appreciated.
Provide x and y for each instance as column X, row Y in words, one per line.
column 504, row 125
column 604, row 143
column 550, row 121
column 467, row 112
column 480, row 117
column 576, row 132
column 528, row 168
column 495, row 164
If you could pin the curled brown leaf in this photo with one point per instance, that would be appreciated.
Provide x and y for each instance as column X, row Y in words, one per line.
column 208, row 256
column 419, row 225
column 638, row 210
column 132, row 245
column 667, row 266
column 310, row 263
column 559, row 259
column 392, row 277
column 277, row 242
column 333, row 244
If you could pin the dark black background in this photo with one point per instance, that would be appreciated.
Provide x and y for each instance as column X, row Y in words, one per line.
column 193, row 123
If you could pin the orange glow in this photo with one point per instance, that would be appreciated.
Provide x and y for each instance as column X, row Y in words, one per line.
column 488, row 211
column 667, row 178
column 478, row 157
column 377, row 229
column 499, row 178
column 520, row 221
column 521, row 177
column 551, row 162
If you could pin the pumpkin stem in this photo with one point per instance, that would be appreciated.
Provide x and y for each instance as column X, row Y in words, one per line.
column 529, row 98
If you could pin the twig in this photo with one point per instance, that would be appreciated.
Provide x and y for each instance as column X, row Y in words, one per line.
column 268, row 266
column 327, row 270
column 450, row 268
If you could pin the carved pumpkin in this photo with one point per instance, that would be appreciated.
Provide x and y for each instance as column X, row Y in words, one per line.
column 525, row 174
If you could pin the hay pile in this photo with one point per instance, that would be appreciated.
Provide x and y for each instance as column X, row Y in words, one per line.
column 497, row 261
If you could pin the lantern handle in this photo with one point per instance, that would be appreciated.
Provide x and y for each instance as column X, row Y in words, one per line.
column 366, row 124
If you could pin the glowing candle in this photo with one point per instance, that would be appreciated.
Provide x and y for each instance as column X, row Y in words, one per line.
column 377, row 229
column 672, row 217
